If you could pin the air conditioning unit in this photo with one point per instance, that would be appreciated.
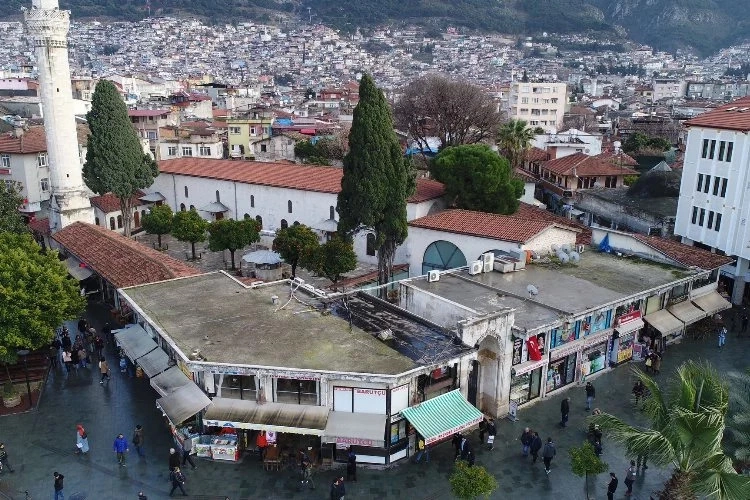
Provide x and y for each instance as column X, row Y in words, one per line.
column 504, row 266
column 476, row 267
column 433, row 276
column 488, row 260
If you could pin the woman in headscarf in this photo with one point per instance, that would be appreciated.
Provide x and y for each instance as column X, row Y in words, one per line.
column 82, row 440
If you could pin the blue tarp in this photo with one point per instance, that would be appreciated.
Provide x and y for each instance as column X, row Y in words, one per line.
column 604, row 245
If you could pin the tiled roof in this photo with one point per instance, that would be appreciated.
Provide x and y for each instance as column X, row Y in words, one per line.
column 531, row 212
column 585, row 165
column 279, row 174
column 34, row 140
column 148, row 112
column 617, row 158
column 40, row 226
column 536, row 154
column 111, row 203
column 524, row 175
column 732, row 116
column 485, row 225
column 685, row 254
column 119, row 260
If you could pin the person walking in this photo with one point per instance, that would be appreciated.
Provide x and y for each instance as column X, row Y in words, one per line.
column 611, row 486
column 590, row 395
column 306, row 467
column 642, row 459
column 178, row 481
column 564, row 412
column 630, row 477
column 491, row 433
column 99, row 346
column 526, row 438
column 482, row 429
column 174, row 459
column 138, row 440
column 82, row 326
column 337, row 489
column 187, row 449
column 82, row 440
column 548, row 454
column 656, row 365
column 262, row 443
column 722, row 336
column 536, row 445
column 120, row 447
column 351, row 465
column 58, row 486
column 422, row 450
column 67, row 360
column 4, row 458
column 456, row 442
column 638, row 391
column 465, row 448
column 104, row 370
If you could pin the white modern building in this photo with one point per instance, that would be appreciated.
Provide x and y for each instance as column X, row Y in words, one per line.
column 541, row 104
column 570, row 142
column 713, row 208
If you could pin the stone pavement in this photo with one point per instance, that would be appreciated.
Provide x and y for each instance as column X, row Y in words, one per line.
column 43, row 441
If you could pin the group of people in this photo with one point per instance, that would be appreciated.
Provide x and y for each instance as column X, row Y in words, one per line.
column 464, row 449
column 76, row 353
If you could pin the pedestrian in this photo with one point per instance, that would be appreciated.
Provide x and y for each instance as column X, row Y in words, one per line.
column 57, row 344
column 642, row 459
column 422, row 450
column 491, row 433
column 187, row 449
column 67, row 360
column 611, row 486
column 107, row 333
column 337, row 489
column 58, row 486
column 138, row 440
column 174, row 459
column 526, row 438
column 598, row 449
column 99, row 345
column 630, row 477
column 482, row 429
column 142, row 496
column 65, row 340
column 536, row 445
column 351, row 465
column 83, row 356
column 656, row 365
column 262, row 443
column 306, row 468
column 82, row 325
column 123, row 363
column 104, row 369
column 722, row 336
column 456, row 442
column 4, row 458
column 75, row 358
column 178, row 481
column 638, row 390
column 120, row 446
column 52, row 354
column 89, row 336
column 82, row 440
column 590, row 395
column 548, row 454
column 564, row 412
column 744, row 322
column 465, row 448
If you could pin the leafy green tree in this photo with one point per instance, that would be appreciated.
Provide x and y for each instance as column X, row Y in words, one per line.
column 471, row 481
column 514, row 140
column 334, row 258
column 296, row 245
column 583, row 461
column 477, row 178
column 230, row 234
column 189, row 226
column 36, row 295
column 158, row 221
column 377, row 179
column 115, row 160
column 687, row 423
column 10, row 200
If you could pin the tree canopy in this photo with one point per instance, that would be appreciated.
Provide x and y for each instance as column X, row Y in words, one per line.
column 296, row 245
column 514, row 140
column 584, row 461
column 640, row 142
column 471, row 481
column 115, row 160
column 189, row 226
column 377, row 179
column 158, row 221
column 230, row 234
column 36, row 295
column 10, row 199
column 334, row 258
column 477, row 178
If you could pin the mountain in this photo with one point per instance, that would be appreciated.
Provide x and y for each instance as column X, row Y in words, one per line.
column 704, row 25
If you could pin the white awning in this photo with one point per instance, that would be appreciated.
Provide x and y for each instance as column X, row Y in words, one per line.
column 279, row 417
column 686, row 312
column 169, row 381
column 75, row 269
column 711, row 303
column 135, row 341
column 214, row 207
column 154, row 362
column 528, row 366
column 152, row 197
column 184, row 403
column 664, row 322
column 630, row 326
column 358, row 429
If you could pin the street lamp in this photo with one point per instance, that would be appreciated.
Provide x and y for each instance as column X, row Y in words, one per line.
column 23, row 353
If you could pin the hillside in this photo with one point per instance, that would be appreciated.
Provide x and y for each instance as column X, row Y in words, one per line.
column 705, row 25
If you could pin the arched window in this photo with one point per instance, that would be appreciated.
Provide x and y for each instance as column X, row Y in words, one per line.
column 442, row 255
column 289, row 206
column 112, row 223
column 370, row 243
column 182, row 207
column 192, row 207
column 96, row 220
column 295, row 223
column 218, row 198
column 246, row 216
column 252, row 201
column 119, row 222
column 332, row 212
column 259, row 219
column 284, row 224
column 186, row 192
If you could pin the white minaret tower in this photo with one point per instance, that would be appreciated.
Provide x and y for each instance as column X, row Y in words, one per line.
column 48, row 27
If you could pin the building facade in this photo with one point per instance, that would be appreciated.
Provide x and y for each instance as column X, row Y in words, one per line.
column 540, row 104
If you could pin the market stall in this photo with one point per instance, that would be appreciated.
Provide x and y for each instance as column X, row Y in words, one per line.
column 437, row 419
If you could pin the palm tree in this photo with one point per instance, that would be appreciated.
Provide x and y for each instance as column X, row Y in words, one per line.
column 687, row 425
column 514, row 139
column 738, row 429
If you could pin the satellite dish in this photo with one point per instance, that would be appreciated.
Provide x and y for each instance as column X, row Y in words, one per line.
column 563, row 257
column 554, row 247
column 574, row 256
column 533, row 291
column 567, row 248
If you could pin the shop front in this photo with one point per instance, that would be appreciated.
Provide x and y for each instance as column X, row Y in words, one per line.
column 711, row 303
column 625, row 335
column 594, row 358
column 686, row 311
column 439, row 418
column 181, row 403
column 529, row 364
column 665, row 327
column 562, row 366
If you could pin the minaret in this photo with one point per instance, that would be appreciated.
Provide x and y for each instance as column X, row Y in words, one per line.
column 48, row 26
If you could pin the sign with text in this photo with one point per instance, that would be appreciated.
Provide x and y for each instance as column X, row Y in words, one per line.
column 369, row 400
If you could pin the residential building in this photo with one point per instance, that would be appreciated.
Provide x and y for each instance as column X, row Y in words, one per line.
column 278, row 147
column 541, row 104
column 148, row 122
column 189, row 142
column 247, row 129
column 717, row 90
column 569, row 142
column 668, row 88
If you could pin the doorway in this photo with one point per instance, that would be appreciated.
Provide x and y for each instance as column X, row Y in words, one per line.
column 473, row 382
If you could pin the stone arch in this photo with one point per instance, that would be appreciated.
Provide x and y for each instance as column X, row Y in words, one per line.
column 441, row 255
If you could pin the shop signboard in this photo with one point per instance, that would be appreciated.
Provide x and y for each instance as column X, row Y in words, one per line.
column 369, row 400
column 624, row 354
column 627, row 318
column 446, row 434
column 399, row 398
column 637, row 352
column 343, row 442
column 517, row 350
column 513, row 411
column 563, row 351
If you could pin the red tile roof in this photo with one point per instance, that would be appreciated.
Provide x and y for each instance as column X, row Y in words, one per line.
column 40, row 226
column 617, row 158
column 148, row 112
column 536, row 154
column 584, row 165
column 524, row 175
column 111, row 203
column 530, row 212
column 285, row 175
column 485, row 225
column 685, row 254
column 119, row 260
column 732, row 116
column 34, row 140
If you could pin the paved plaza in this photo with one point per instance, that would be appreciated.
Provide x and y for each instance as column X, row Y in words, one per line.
column 43, row 441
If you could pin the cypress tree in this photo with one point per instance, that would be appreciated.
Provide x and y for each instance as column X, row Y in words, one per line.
column 115, row 160
column 377, row 178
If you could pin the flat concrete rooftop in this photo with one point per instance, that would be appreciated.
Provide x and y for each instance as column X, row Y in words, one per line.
column 233, row 324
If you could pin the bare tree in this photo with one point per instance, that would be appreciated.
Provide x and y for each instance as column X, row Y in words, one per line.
column 454, row 112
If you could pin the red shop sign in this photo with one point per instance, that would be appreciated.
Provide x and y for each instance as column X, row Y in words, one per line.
column 627, row 318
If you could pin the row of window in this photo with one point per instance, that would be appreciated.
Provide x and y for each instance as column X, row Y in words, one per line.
column 254, row 131
column 41, row 160
column 536, row 112
column 289, row 204
column 188, row 151
column 724, row 153
column 719, row 185
column 699, row 218
column 536, row 100
column 117, row 223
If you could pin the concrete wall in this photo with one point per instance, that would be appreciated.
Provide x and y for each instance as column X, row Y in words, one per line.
column 433, row 307
column 623, row 217
column 623, row 242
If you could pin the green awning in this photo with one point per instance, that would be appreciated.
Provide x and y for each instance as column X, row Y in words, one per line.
column 439, row 418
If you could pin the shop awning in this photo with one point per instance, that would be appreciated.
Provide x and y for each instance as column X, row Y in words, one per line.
column 711, row 303
column 279, row 417
column 169, row 381
column 439, row 418
column 154, row 362
column 183, row 403
column 75, row 269
column 686, row 312
column 358, row 429
column 664, row 322
column 135, row 341
column 528, row 366
column 630, row 326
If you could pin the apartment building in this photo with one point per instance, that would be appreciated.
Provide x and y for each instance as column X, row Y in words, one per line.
column 540, row 104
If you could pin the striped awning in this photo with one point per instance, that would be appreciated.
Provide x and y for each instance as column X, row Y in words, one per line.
column 439, row 418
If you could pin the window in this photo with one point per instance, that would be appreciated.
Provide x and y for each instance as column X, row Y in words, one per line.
column 112, row 223
column 289, row 206
column 151, row 135
column 610, row 182
column 695, row 215
column 187, row 151
column 172, row 151
column 712, row 150
column 700, row 182
column 722, row 146
column 192, row 207
column 263, row 148
column 5, row 161
column 332, row 212
column 730, row 147
column 97, row 221
column 302, row 392
column 41, row 159
column 119, row 222
column 218, row 197
column 246, row 216
column 259, row 220
column 723, row 193
column 702, row 217
column 284, row 224
column 717, row 181
column 586, row 182
column 204, row 150
column 717, row 226
column 710, row 219
column 253, row 131
column 238, row 387
column 186, row 192
column 44, row 184
column 707, row 185
column 370, row 250
column 235, row 130
column 524, row 100
column 252, row 201
column 182, row 207
column 295, row 223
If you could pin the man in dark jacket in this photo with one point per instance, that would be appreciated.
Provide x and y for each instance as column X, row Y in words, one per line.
column 491, row 432
column 564, row 412
column 174, row 459
column 526, row 437
column 536, row 445
column 4, row 458
column 338, row 490
column 548, row 454
column 178, row 480
column 58, row 485
column 590, row 395
column 456, row 442
column 612, row 486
